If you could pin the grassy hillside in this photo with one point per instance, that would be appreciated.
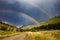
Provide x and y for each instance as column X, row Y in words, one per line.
column 7, row 30
column 7, row 27
column 53, row 23
column 53, row 20
column 28, row 27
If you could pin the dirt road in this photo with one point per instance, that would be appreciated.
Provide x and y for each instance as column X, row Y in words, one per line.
column 17, row 37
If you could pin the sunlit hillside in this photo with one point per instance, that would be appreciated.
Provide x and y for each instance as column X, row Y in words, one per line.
column 53, row 20
column 53, row 23
column 7, row 30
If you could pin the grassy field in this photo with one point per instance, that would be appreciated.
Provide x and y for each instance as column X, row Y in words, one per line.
column 43, row 35
column 4, row 34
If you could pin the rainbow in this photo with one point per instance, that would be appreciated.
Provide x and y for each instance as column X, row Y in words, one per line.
column 22, row 14
column 39, row 8
column 29, row 17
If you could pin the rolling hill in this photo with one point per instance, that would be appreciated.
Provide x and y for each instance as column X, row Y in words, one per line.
column 7, row 27
column 54, row 21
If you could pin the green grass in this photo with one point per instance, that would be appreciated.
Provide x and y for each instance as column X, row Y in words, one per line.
column 4, row 34
column 43, row 35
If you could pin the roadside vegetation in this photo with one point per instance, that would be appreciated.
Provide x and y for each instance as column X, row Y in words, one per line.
column 4, row 34
column 43, row 35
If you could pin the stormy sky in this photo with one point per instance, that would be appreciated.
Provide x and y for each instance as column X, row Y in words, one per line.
column 24, row 12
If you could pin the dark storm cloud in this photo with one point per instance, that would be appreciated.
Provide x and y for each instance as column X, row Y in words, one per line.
column 14, row 18
column 51, row 9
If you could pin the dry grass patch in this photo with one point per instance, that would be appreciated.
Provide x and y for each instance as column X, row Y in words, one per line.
column 43, row 35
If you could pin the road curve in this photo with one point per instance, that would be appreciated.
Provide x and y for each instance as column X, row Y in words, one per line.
column 17, row 37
